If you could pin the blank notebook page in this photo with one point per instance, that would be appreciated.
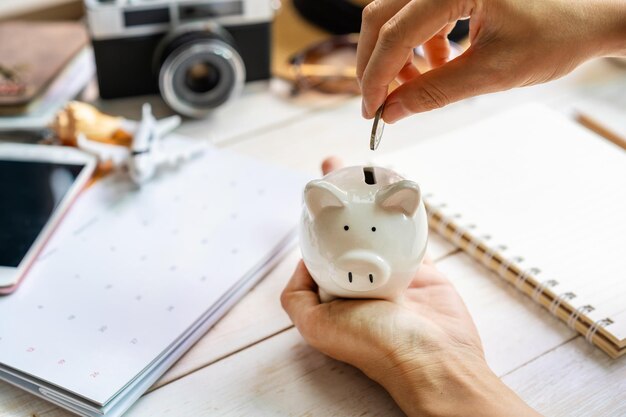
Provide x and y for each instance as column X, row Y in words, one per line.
column 539, row 187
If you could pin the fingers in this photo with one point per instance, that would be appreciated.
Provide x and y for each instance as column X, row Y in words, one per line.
column 409, row 71
column 375, row 15
column 331, row 164
column 300, row 294
column 412, row 25
column 437, row 48
column 460, row 78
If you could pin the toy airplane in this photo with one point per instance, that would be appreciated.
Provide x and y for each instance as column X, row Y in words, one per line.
column 145, row 154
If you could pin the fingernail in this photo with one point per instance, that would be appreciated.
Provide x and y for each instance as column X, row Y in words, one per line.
column 363, row 112
column 394, row 111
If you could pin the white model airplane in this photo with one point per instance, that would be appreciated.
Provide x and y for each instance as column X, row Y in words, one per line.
column 146, row 153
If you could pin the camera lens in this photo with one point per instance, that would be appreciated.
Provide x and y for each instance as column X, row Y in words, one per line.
column 202, row 77
column 200, row 74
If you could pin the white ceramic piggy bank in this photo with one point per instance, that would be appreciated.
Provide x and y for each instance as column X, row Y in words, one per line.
column 363, row 233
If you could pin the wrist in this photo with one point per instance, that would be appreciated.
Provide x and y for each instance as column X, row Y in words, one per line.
column 451, row 383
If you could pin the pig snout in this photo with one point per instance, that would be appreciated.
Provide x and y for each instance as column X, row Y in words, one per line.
column 361, row 270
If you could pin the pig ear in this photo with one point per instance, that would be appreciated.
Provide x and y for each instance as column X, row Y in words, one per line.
column 403, row 196
column 320, row 194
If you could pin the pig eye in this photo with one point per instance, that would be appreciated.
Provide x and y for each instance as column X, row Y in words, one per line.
column 374, row 229
column 346, row 227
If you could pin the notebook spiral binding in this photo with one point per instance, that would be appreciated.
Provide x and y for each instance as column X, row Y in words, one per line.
column 466, row 238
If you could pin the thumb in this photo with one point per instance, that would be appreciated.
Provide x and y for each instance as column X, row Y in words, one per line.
column 463, row 77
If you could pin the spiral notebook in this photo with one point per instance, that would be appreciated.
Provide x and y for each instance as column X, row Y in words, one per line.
column 541, row 201
column 134, row 276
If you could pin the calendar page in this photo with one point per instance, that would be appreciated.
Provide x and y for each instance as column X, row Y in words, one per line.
column 131, row 269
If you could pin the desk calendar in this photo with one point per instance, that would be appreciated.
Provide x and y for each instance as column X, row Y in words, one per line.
column 134, row 276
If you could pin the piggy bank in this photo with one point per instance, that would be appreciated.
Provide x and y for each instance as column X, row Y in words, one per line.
column 363, row 233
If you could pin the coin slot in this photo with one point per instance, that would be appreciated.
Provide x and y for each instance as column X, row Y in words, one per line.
column 368, row 173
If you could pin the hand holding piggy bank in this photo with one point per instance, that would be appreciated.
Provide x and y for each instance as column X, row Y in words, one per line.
column 363, row 233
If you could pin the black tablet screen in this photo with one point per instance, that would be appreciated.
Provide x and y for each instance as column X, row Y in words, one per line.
column 30, row 191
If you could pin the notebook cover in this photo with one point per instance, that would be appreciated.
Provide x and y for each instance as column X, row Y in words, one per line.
column 31, row 55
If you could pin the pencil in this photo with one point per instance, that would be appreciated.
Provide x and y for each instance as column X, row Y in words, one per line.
column 596, row 127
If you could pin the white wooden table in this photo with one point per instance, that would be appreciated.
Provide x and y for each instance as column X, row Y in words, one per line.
column 253, row 362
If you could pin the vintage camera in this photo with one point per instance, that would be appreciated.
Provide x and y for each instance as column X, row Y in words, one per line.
column 197, row 54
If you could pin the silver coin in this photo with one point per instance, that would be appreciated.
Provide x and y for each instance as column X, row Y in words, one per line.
column 377, row 128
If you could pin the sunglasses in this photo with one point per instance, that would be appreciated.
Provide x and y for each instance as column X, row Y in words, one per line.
column 330, row 66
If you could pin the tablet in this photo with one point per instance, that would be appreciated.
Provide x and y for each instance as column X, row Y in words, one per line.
column 37, row 185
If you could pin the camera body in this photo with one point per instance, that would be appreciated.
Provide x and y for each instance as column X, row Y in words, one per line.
column 197, row 54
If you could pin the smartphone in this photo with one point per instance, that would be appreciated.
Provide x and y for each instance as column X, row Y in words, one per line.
column 37, row 185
